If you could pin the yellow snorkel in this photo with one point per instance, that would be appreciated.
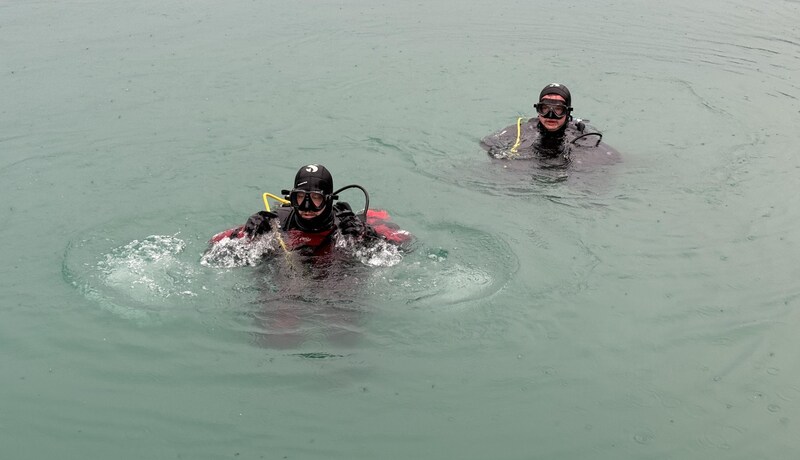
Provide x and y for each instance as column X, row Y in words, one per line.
column 514, row 151
column 282, row 201
column 274, row 197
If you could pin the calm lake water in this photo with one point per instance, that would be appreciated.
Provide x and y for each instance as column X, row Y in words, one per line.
column 642, row 310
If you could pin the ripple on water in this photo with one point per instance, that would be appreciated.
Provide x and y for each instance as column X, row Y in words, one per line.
column 578, row 185
column 149, row 278
column 456, row 266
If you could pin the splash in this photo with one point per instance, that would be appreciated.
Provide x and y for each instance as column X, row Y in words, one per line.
column 141, row 280
column 148, row 269
column 378, row 254
column 240, row 252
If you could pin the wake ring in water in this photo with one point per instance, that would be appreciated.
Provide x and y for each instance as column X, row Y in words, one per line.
column 457, row 266
column 137, row 280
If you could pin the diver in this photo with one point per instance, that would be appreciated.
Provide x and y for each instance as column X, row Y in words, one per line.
column 552, row 137
column 310, row 221
column 314, row 289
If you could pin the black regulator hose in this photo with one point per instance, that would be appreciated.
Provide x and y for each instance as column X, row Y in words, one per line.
column 366, row 197
column 600, row 135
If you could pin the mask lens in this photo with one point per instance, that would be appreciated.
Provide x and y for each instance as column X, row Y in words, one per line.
column 317, row 198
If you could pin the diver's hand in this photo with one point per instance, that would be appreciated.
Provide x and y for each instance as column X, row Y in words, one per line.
column 341, row 208
column 259, row 223
column 349, row 223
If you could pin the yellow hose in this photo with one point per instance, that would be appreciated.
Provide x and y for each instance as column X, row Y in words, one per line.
column 265, row 196
column 519, row 136
column 274, row 197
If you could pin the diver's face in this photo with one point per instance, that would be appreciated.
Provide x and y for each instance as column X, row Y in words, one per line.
column 309, row 214
column 553, row 124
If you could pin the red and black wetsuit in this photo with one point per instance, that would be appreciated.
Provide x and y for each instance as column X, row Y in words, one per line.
column 297, row 238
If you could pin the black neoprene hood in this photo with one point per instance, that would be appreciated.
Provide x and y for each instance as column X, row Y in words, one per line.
column 559, row 89
column 314, row 178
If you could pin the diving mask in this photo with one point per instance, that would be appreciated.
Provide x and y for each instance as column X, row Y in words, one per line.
column 305, row 200
column 552, row 110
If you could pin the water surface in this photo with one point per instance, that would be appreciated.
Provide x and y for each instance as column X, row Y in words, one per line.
column 640, row 310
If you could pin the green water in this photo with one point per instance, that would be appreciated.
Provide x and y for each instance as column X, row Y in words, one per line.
column 643, row 310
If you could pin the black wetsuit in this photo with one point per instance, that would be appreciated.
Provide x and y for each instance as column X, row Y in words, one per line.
column 317, row 232
column 550, row 148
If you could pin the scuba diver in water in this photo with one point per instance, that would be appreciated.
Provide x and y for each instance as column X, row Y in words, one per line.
column 315, row 288
column 310, row 220
column 552, row 136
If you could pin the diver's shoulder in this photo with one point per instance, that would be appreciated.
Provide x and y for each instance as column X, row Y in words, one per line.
column 588, row 144
column 582, row 125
